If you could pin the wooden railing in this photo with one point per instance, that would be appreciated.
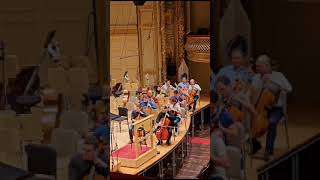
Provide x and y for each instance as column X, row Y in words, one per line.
column 198, row 48
column 301, row 162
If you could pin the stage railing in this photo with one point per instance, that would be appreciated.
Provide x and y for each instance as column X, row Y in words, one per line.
column 196, row 117
column 301, row 162
column 199, row 115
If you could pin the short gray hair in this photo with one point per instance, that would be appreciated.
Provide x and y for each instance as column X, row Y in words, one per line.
column 265, row 59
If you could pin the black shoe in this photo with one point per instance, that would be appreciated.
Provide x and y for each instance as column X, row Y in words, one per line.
column 159, row 143
column 131, row 141
column 168, row 142
column 256, row 146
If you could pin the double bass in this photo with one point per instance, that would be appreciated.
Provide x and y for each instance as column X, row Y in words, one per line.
column 162, row 131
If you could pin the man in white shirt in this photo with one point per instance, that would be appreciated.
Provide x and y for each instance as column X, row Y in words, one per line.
column 277, row 83
column 194, row 86
column 166, row 88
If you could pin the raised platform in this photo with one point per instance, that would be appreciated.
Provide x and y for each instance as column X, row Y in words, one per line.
column 163, row 150
column 127, row 155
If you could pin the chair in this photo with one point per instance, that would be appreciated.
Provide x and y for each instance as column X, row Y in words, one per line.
column 75, row 120
column 123, row 113
column 41, row 160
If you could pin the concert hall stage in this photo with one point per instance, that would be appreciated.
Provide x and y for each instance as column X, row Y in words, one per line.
column 179, row 143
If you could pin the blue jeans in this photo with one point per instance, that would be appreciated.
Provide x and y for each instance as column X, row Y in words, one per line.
column 274, row 116
column 195, row 102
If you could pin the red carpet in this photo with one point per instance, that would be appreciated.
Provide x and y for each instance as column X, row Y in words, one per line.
column 127, row 152
column 198, row 140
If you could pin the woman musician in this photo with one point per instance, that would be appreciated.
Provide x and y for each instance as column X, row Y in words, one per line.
column 277, row 84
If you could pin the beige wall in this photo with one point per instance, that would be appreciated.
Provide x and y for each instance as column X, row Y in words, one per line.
column 290, row 34
column 199, row 15
column 201, row 73
column 24, row 25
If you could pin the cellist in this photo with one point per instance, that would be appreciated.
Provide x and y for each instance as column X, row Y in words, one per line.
column 161, row 115
column 279, row 86
column 194, row 87
column 231, row 106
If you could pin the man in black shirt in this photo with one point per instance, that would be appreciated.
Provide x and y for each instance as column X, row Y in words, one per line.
column 138, row 112
column 89, row 162
column 171, row 117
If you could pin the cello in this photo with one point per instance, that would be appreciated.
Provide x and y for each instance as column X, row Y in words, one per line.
column 259, row 122
column 162, row 131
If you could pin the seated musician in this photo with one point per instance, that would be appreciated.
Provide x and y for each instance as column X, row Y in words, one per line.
column 180, row 99
column 90, row 162
column 184, row 82
column 166, row 88
column 176, row 112
column 278, row 84
column 197, row 88
column 162, row 114
column 136, row 114
column 228, row 118
column 237, row 52
column 152, row 97
column 146, row 102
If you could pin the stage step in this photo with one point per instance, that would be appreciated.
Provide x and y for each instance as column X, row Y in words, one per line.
column 198, row 158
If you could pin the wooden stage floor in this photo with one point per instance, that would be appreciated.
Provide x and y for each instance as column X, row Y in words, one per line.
column 123, row 138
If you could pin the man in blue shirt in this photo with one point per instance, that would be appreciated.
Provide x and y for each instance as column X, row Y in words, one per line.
column 236, row 71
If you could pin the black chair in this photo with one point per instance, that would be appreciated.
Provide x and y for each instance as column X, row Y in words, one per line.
column 123, row 113
column 42, row 159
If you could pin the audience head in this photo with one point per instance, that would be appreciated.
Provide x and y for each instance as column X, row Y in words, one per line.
column 168, row 82
column 90, row 148
column 224, row 86
column 237, row 50
column 263, row 64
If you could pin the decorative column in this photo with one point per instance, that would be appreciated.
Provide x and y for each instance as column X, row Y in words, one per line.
column 179, row 31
